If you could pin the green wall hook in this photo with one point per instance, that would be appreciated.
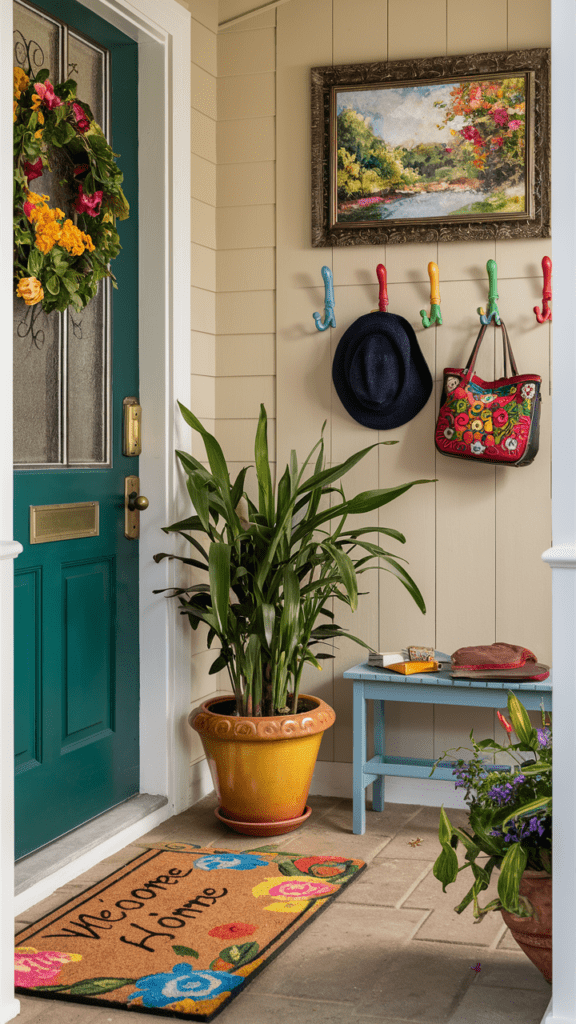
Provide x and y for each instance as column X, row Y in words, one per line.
column 435, row 313
column 492, row 296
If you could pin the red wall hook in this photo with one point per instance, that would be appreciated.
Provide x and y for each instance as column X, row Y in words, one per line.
column 383, row 291
column 546, row 313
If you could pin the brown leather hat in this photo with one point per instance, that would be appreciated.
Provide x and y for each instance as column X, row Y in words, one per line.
column 497, row 661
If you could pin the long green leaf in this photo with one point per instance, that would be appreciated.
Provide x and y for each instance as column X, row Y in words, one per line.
column 408, row 582
column 213, row 449
column 219, row 574
column 511, row 871
column 268, row 615
column 520, row 721
column 327, row 476
column 199, row 497
column 265, row 495
column 347, row 572
column 364, row 502
column 289, row 619
column 374, row 529
column 542, row 803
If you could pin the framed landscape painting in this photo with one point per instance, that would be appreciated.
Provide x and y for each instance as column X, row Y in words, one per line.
column 432, row 149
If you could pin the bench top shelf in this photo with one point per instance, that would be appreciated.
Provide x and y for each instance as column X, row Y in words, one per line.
column 367, row 673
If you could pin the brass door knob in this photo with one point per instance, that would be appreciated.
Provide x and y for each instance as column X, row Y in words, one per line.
column 137, row 502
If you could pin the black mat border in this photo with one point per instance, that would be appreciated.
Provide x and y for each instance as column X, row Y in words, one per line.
column 175, row 1014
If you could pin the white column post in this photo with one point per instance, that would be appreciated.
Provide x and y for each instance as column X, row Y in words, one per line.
column 562, row 555
column 9, row 1006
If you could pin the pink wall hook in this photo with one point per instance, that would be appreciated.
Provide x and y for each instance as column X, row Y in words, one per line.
column 546, row 313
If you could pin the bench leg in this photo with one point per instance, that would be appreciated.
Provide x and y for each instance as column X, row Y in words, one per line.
column 378, row 786
column 359, row 759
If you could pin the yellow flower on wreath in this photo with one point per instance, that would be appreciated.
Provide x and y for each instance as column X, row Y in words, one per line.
column 74, row 240
column 30, row 289
column 294, row 893
column 21, row 82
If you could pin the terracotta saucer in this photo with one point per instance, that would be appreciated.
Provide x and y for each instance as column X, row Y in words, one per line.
column 264, row 828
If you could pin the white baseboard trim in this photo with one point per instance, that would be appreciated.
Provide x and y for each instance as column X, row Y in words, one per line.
column 46, row 886
column 334, row 778
column 9, row 1011
column 200, row 781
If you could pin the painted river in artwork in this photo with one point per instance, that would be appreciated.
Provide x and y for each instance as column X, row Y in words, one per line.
column 428, row 204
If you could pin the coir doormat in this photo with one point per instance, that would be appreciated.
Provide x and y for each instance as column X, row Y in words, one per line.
column 180, row 930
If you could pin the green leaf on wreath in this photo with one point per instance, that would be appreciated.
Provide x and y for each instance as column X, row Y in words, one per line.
column 185, row 951
column 240, row 955
column 53, row 284
column 42, row 75
column 34, row 262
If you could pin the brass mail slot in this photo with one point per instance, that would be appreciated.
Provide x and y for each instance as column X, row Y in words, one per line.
column 64, row 522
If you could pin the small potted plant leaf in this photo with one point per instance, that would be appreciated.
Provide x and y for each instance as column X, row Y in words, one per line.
column 510, row 822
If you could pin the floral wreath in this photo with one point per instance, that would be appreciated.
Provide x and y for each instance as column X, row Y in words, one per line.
column 58, row 261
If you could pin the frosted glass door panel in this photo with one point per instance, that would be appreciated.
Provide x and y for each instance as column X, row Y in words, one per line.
column 88, row 67
column 37, row 385
column 37, row 41
column 87, row 378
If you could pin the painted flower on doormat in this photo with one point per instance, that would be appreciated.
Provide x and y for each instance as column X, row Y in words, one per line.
column 184, row 982
column 234, row 861
column 293, row 895
column 33, row 967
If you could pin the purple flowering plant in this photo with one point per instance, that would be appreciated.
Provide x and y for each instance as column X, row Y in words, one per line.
column 509, row 813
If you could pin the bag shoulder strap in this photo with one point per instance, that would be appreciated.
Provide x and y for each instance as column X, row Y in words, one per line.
column 507, row 348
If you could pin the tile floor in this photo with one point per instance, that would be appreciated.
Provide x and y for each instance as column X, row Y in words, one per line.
column 391, row 949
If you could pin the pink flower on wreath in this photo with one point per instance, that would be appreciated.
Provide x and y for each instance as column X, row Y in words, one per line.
column 89, row 204
column 461, row 420
column 33, row 967
column 47, row 94
column 82, row 122
column 500, row 418
column 79, row 169
column 497, row 141
column 500, row 116
column 33, row 170
column 514, row 125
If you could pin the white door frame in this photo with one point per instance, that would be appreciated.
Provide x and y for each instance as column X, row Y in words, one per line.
column 162, row 29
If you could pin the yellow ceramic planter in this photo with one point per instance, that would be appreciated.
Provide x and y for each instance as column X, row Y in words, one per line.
column 262, row 767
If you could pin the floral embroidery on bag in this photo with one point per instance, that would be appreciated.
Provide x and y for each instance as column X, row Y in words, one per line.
column 493, row 424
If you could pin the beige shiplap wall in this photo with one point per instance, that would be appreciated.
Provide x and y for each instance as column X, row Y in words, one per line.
column 475, row 536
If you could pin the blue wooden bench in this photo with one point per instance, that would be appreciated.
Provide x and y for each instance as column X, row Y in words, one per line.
column 379, row 685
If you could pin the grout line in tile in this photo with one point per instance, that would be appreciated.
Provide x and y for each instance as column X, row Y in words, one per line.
column 415, row 884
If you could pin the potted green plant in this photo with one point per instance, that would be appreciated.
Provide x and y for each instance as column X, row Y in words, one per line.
column 510, row 819
column 272, row 571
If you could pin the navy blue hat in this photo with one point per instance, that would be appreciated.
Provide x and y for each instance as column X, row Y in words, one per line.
column 379, row 372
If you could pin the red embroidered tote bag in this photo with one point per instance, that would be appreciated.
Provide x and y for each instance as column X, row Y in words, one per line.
column 495, row 421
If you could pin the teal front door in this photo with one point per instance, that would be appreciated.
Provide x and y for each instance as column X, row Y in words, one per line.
column 76, row 668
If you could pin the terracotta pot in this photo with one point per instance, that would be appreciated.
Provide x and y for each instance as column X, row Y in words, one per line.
column 534, row 934
column 262, row 767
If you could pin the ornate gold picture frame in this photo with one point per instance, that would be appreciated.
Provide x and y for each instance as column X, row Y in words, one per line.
column 432, row 149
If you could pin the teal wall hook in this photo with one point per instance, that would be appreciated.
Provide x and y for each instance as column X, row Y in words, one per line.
column 485, row 318
column 329, row 316
column 435, row 312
